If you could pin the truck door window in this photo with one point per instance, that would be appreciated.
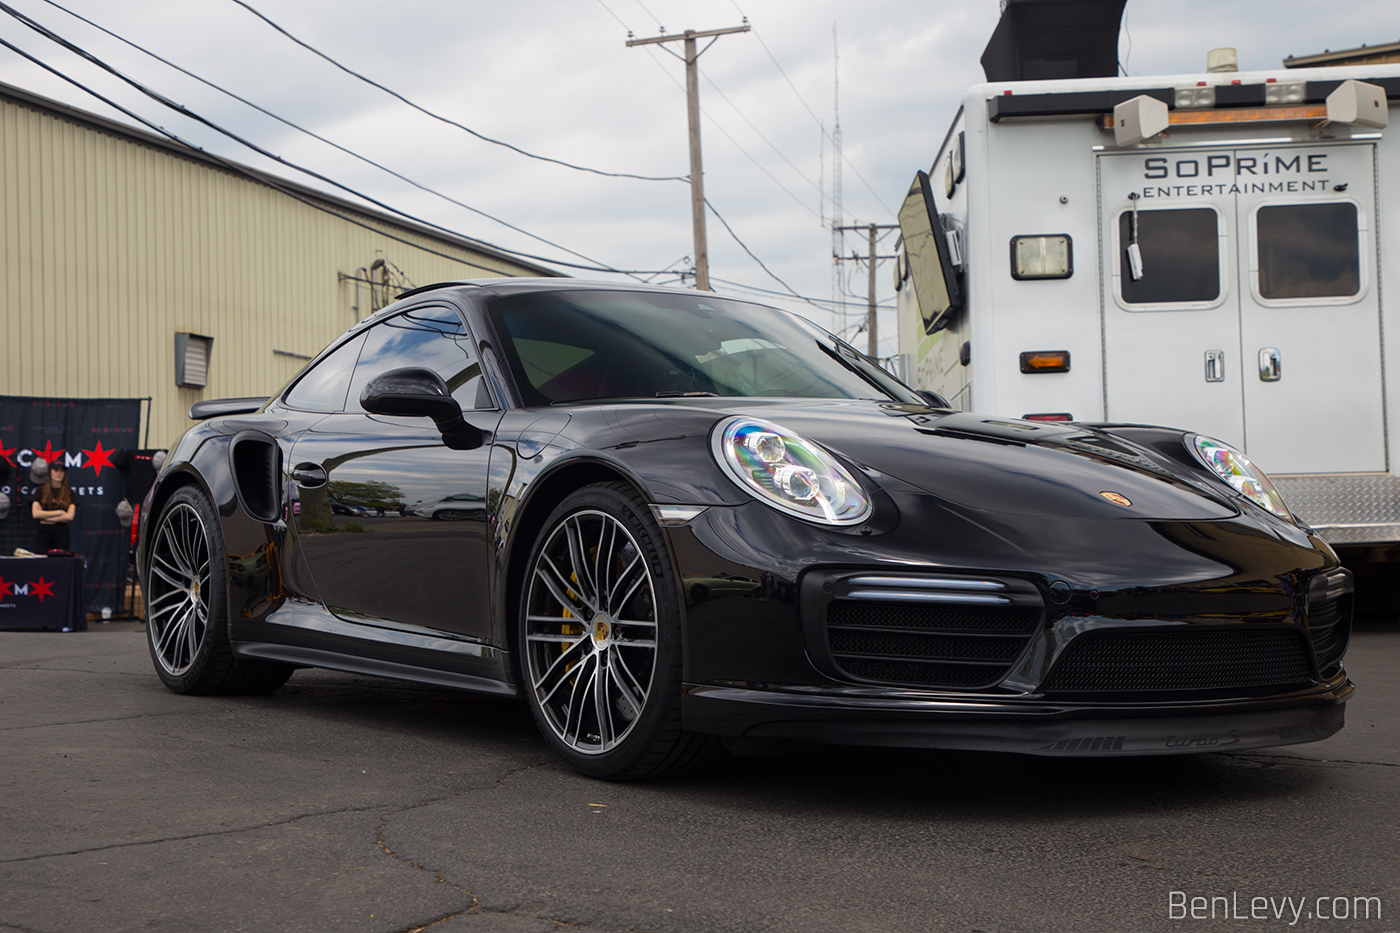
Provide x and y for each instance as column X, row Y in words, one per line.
column 1180, row 256
column 1308, row 251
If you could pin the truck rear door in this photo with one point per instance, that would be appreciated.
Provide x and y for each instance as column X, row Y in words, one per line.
column 1256, row 316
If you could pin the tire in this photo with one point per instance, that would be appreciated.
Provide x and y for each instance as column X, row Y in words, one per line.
column 599, row 639
column 187, row 608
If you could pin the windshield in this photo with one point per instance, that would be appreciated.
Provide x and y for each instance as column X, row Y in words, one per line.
column 589, row 344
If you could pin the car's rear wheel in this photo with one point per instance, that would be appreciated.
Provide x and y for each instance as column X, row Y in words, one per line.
column 599, row 636
column 186, row 610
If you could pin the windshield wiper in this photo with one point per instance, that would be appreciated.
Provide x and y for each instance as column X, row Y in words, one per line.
column 672, row 393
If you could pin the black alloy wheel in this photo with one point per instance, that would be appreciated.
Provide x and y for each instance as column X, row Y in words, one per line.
column 599, row 635
column 186, row 610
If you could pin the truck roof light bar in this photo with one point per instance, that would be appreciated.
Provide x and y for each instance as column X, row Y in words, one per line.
column 1096, row 103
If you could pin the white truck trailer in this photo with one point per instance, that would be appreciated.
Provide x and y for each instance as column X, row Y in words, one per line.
column 1218, row 252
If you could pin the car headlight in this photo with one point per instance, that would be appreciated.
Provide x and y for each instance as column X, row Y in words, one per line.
column 1240, row 474
column 789, row 473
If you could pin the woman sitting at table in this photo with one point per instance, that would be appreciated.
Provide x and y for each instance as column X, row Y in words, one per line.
column 54, row 509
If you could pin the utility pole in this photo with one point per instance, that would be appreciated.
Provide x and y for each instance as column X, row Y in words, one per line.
column 871, row 230
column 692, row 94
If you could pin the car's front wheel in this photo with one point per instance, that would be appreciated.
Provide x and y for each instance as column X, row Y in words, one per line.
column 599, row 635
column 186, row 610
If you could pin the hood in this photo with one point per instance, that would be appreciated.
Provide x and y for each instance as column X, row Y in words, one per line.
column 1043, row 469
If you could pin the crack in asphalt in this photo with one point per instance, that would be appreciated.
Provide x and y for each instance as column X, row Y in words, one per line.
column 440, row 876
column 1321, row 761
column 4, row 925
column 559, row 925
column 420, row 929
column 285, row 822
column 186, row 838
column 81, row 722
column 29, row 666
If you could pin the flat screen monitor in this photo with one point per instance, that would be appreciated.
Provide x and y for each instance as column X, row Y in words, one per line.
column 926, row 249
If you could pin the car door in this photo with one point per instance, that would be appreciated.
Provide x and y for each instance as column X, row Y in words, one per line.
column 374, row 557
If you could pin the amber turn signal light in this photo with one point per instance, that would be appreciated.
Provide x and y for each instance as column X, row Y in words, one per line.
column 1045, row 361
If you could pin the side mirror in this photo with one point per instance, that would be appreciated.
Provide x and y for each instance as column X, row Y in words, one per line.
column 416, row 393
column 933, row 399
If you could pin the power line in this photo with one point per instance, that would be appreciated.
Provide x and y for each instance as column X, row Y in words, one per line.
column 727, row 135
column 814, row 301
column 745, row 248
column 180, row 108
column 720, row 126
column 235, row 167
column 808, row 107
column 775, row 149
column 614, row 16
column 692, row 107
column 651, row 14
column 447, row 120
column 601, row 266
column 268, row 181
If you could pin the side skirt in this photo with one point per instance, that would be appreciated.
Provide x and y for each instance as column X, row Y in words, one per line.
column 336, row 661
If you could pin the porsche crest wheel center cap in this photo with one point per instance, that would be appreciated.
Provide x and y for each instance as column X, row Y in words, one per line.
column 601, row 631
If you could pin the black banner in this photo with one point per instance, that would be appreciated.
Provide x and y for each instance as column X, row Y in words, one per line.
column 83, row 434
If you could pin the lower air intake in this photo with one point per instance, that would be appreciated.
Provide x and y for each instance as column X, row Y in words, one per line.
column 929, row 631
column 1205, row 664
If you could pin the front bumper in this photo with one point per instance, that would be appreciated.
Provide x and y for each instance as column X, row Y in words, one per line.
column 1034, row 728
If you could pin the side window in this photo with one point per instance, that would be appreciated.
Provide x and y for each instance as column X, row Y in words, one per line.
column 429, row 338
column 1180, row 256
column 1308, row 251
column 322, row 387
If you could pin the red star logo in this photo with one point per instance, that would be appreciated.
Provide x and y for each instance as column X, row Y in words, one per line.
column 49, row 454
column 5, row 454
column 4, row 587
column 42, row 588
column 97, row 458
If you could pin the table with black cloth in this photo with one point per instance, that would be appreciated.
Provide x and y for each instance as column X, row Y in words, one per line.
column 42, row 592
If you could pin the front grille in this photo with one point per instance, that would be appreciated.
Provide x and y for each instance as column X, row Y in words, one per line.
column 929, row 631
column 1209, row 663
column 1329, row 618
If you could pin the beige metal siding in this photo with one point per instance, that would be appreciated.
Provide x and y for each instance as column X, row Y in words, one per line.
column 110, row 247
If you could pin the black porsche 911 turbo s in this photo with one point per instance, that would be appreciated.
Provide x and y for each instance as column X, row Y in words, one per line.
column 697, row 519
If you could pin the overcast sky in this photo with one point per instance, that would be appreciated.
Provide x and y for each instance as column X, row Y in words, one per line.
column 555, row 78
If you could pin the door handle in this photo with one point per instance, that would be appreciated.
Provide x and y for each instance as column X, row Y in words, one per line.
column 309, row 475
column 1215, row 366
column 1270, row 365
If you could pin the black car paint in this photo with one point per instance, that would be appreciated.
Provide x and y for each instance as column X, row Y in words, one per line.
column 1012, row 498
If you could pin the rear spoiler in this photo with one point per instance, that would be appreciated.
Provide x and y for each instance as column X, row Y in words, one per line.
column 218, row 407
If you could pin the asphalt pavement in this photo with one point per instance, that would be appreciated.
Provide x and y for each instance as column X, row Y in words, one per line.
column 347, row 803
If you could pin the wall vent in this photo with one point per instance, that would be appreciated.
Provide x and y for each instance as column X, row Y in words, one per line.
column 192, row 353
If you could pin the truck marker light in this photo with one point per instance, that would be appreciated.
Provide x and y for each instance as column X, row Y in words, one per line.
column 1200, row 96
column 1292, row 93
column 1045, row 361
column 1047, row 256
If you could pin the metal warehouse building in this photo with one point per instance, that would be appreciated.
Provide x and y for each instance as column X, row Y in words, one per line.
column 131, row 266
